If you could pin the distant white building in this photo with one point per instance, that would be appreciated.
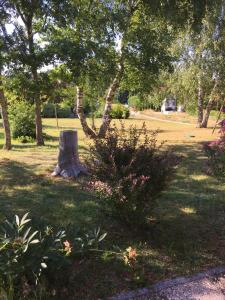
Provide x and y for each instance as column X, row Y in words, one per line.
column 168, row 104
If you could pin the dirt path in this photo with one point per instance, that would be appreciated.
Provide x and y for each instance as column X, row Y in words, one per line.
column 208, row 285
column 143, row 116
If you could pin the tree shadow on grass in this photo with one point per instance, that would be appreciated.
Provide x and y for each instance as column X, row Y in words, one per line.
column 191, row 215
column 188, row 233
column 57, row 201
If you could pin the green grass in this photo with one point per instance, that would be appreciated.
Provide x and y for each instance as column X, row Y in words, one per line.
column 188, row 227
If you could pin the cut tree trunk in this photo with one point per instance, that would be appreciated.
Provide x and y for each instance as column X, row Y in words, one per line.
column 68, row 160
column 200, row 103
column 5, row 119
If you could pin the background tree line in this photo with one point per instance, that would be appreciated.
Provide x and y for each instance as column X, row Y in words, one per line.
column 88, row 50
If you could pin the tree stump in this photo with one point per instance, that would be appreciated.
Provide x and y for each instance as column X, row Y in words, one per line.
column 68, row 160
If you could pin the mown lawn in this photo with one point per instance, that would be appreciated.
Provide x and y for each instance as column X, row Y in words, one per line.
column 188, row 225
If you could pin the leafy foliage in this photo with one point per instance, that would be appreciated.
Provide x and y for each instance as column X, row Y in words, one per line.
column 138, row 103
column 130, row 171
column 63, row 111
column 22, row 120
column 118, row 111
column 27, row 255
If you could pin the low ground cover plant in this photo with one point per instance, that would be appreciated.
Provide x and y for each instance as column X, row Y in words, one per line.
column 130, row 170
column 33, row 262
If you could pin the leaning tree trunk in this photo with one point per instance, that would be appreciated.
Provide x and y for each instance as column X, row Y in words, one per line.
column 5, row 119
column 68, row 160
column 200, row 103
column 89, row 132
column 205, row 120
column 108, row 105
column 209, row 107
column 80, row 112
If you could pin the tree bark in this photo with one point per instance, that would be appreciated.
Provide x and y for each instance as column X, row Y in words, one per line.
column 80, row 112
column 200, row 102
column 205, row 120
column 5, row 118
column 108, row 100
column 209, row 106
column 108, row 105
column 38, row 121
column 68, row 160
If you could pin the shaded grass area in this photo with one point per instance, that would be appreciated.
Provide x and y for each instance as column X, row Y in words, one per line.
column 188, row 225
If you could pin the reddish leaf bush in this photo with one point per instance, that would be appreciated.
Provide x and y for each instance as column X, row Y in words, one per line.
column 215, row 151
column 130, row 171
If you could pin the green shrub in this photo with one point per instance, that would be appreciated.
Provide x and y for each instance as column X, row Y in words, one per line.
column 136, row 103
column 118, row 111
column 129, row 172
column 25, row 139
column 215, row 150
column 48, row 110
column 22, row 120
column 98, row 114
column 63, row 110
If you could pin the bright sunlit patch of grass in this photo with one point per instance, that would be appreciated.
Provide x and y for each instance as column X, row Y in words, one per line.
column 188, row 210
column 199, row 177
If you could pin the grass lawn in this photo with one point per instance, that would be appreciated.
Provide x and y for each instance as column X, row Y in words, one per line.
column 188, row 230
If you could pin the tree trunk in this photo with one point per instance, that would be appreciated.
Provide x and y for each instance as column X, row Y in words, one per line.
column 5, row 119
column 56, row 116
column 205, row 120
column 108, row 106
column 38, row 121
column 200, row 103
column 80, row 112
column 68, row 160
column 209, row 106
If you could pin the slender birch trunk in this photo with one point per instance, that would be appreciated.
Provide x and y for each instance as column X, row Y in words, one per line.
column 209, row 107
column 5, row 118
column 205, row 120
column 200, row 102
column 108, row 105
column 80, row 112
